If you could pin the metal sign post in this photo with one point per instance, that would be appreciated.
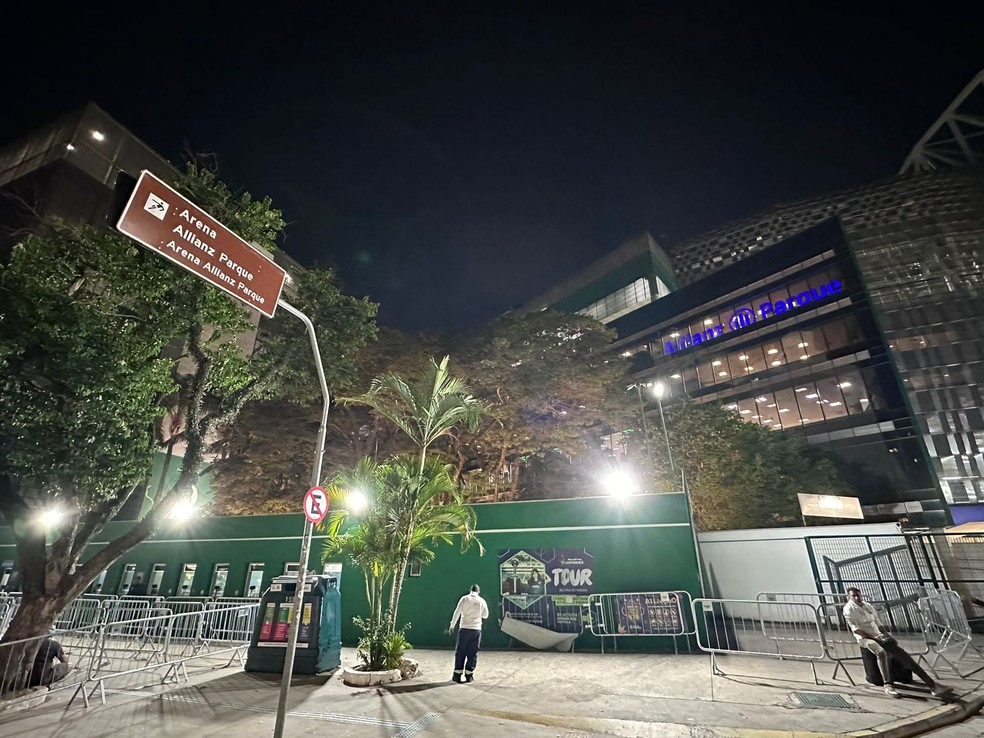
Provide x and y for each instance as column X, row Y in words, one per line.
column 278, row 730
column 165, row 221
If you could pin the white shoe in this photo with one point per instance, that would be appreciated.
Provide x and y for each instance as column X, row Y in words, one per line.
column 891, row 691
column 939, row 690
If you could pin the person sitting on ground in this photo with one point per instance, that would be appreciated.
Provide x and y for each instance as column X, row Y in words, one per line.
column 863, row 620
column 44, row 672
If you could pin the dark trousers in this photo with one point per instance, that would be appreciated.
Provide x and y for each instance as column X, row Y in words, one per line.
column 466, row 654
column 902, row 656
column 890, row 649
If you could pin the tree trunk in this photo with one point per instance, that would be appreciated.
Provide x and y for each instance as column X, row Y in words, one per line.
column 398, row 576
column 515, row 479
column 34, row 618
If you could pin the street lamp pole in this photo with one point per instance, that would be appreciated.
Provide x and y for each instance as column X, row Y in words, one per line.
column 658, row 389
column 645, row 425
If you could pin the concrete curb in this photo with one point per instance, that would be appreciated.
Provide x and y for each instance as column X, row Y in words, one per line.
column 914, row 725
column 938, row 717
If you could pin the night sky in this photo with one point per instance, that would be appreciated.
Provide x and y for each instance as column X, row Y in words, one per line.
column 453, row 160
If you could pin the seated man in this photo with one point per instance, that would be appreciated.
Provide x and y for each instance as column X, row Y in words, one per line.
column 863, row 620
column 45, row 673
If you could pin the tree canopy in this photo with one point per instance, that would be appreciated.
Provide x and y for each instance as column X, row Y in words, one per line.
column 740, row 475
column 553, row 387
column 99, row 340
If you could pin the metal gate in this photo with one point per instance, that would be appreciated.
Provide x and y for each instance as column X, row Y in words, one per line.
column 897, row 569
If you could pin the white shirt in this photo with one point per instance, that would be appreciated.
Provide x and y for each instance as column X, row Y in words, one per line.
column 862, row 617
column 472, row 610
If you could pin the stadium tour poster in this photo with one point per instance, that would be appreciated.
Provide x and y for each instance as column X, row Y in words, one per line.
column 546, row 587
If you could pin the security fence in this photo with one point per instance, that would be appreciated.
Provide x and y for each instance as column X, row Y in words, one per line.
column 948, row 633
column 20, row 668
column 135, row 639
column 898, row 569
column 811, row 627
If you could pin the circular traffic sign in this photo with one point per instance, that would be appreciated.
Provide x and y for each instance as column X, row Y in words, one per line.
column 316, row 504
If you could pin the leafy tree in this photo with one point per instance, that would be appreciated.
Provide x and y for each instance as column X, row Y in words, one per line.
column 265, row 456
column 552, row 386
column 99, row 338
column 740, row 475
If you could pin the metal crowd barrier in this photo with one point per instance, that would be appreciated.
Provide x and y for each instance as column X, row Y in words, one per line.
column 8, row 606
column 783, row 630
column 78, row 644
column 108, row 637
column 807, row 627
column 946, row 630
column 229, row 620
column 83, row 612
column 632, row 614
column 160, row 645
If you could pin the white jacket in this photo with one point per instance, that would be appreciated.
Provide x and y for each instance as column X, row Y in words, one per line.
column 472, row 610
column 862, row 618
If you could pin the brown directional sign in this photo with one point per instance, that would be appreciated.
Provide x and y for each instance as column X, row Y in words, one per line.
column 173, row 226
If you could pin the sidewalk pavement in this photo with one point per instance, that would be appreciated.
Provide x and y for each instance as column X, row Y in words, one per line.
column 517, row 694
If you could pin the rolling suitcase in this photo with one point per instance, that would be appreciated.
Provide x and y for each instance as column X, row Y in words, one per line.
column 872, row 674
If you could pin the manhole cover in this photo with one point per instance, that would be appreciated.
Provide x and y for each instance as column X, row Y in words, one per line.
column 828, row 700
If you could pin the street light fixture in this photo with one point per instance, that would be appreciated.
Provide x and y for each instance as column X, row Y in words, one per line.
column 620, row 484
column 659, row 390
column 356, row 501
column 51, row 517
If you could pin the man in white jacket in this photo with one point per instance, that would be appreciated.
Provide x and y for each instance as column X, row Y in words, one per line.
column 469, row 614
column 863, row 621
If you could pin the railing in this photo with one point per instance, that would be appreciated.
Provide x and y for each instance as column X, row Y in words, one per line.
column 795, row 626
column 112, row 638
column 8, row 606
column 947, row 631
column 162, row 644
column 19, row 669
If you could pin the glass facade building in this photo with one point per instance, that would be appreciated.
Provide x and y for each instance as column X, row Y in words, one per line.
column 917, row 242
column 788, row 339
column 881, row 360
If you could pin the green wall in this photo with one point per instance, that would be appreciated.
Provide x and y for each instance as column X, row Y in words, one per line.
column 639, row 543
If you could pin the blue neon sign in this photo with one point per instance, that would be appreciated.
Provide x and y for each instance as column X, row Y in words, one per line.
column 744, row 317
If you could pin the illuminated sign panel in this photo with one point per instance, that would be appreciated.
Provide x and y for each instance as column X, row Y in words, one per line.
column 745, row 317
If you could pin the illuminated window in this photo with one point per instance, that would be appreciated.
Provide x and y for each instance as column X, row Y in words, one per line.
column 624, row 300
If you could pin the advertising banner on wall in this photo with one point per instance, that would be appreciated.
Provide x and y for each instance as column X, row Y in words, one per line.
column 651, row 613
column 546, row 586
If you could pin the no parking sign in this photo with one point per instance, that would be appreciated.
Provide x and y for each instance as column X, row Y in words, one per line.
column 316, row 504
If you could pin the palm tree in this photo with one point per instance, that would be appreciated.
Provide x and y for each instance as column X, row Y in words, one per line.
column 428, row 508
column 409, row 514
column 425, row 411
column 369, row 544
